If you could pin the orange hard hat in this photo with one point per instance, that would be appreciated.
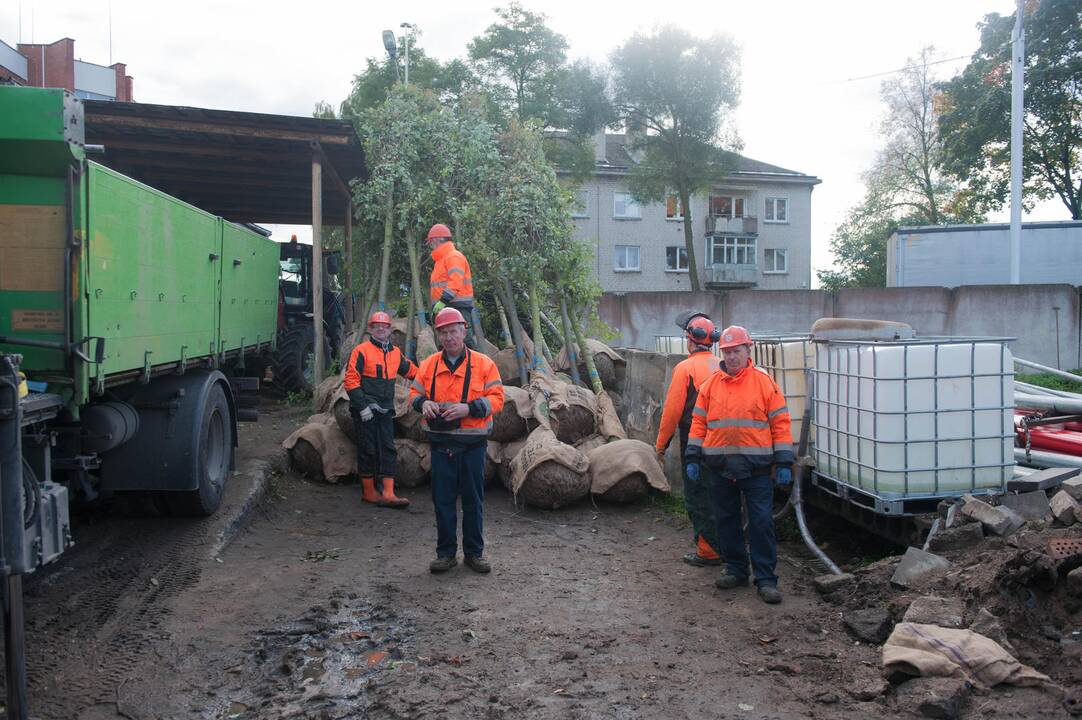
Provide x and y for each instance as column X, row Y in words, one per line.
column 379, row 317
column 439, row 230
column 733, row 336
column 701, row 330
column 449, row 316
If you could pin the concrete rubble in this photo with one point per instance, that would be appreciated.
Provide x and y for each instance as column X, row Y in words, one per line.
column 955, row 538
column 934, row 697
column 1064, row 508
column 1030, row 505
column 931, row 610
column 915, row 564
column 871, row 625
column 1048, row 479
column 996, row 520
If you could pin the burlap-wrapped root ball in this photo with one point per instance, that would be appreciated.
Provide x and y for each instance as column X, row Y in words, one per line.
column 575, row 419
column 549, row 474
column 414, row 463
column 493, row 460
column 306, row 460
column 508, row 366
column 343, row 418
column 321, row 451
column 407, row 421
column 511, row 422
column 623, row 471
column 507, row 456
column 588, row 443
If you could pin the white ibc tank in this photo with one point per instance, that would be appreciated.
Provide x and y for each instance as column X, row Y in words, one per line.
column 787, row 360
column 915, row 418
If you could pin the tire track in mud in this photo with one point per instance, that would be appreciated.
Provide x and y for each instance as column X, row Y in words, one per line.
column 94, row 618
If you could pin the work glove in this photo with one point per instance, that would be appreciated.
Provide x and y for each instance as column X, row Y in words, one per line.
column 693, row 471
column 366, row 413
column 783, row 476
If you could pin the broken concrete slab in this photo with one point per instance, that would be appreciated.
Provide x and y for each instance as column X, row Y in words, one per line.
column 915, row 564
column 830, row 582
column 996, row 520
column 872, row 625
column 988, row 625
column 957, row 538
column 1063, row 507
column 1030, row 505
column 1043, row 480
column 1073, row 487
column 931, row 610
column 933, row 697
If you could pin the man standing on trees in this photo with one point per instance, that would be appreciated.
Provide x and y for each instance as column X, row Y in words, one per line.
column 369, row 382
column 687, row 377
column 450, row 284
column 739, row 433
column 457, row 391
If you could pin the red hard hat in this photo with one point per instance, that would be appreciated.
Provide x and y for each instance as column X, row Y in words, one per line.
column 449, row 316
column 379, row 317
column 701, row 330
column 733, row 336
column 439, row 230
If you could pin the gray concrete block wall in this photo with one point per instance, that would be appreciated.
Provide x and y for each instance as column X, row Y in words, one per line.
column 1026, row 312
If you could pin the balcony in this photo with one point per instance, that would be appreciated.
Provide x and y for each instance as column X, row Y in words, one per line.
column 729, row 277
column 722, row 225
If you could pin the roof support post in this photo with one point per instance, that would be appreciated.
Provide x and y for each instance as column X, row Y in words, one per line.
column 347, row 278
column 317, row 264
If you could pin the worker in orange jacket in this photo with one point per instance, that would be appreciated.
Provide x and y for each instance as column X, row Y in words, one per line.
column 450, row 283
column 687, row 377
column 457, row 391
column 740, row 433
column 369, row 382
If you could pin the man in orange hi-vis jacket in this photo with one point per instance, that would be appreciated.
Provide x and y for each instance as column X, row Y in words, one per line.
column 457, row 391
column 739, row 433
column 687, row 377
column 450, row 283
column 369, row 382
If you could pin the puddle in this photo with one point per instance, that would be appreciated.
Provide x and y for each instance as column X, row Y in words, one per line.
column 318, row 666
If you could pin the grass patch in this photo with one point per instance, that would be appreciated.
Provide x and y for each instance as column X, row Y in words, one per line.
column 669, row 503
column 1054, row 382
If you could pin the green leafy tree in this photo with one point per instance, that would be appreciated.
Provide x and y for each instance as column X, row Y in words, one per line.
column 976, row 118
column 523, row 59
column 680, row 91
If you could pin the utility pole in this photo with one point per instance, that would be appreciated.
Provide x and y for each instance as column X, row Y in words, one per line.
column 1018, row 57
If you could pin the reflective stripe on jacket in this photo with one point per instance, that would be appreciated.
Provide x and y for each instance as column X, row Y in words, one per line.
column 451, row 281
column 740, row 424
column 372, row 368
column 687, row 377
column 484, row 396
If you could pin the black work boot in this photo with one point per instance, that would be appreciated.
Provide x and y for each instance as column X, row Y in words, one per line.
column 769, row 594
column 728, row 582
column 442, row 564
column 478, row 564
column 694, row 558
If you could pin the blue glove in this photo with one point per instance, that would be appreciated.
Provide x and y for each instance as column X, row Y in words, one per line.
column 783, row 476
column 693, row 471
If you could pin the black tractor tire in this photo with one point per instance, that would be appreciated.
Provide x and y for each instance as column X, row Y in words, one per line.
column 292, row 363
column 211, row 460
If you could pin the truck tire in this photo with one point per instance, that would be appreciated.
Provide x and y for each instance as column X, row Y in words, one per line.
column 211, row 460
column 293, row 362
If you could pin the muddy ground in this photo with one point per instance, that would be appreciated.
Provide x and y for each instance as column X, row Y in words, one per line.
column 324, row 608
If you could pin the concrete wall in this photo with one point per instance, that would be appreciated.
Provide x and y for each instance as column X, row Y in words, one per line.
column 1026, row 312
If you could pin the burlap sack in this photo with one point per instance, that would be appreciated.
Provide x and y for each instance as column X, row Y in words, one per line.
column 608, row 422
column 414, row 463
column 340, row 410
column 512, row 422
column 407, row 421
column 493, row 460
column 353, row 339
column 622, row 471
column 588, row 443
column 605, row 360
column 323, row 396
column 568, row 410
column 507, row 456
column 337, row 453
column 549, row 474
column 508, row 366
column 485, row 346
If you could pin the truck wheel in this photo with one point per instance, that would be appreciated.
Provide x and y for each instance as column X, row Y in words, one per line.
column 212, row 458
column 294, row 363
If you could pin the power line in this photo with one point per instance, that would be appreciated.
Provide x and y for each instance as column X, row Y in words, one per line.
column 891, row 72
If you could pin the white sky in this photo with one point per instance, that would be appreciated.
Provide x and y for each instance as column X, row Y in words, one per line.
column 799, row 108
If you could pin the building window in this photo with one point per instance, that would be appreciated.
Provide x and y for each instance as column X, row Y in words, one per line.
column 624, row 207
column 731, row 251
column 626, row 258
column 580, row 204
column 726, row 206
column 775, row 260
column 777, row 210
column 674, row 210
column 676, row 258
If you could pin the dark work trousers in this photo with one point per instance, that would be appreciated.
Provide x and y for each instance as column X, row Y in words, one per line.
column 459, row 471
column 758, row 493
column 376, row 455
column 698, row 501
